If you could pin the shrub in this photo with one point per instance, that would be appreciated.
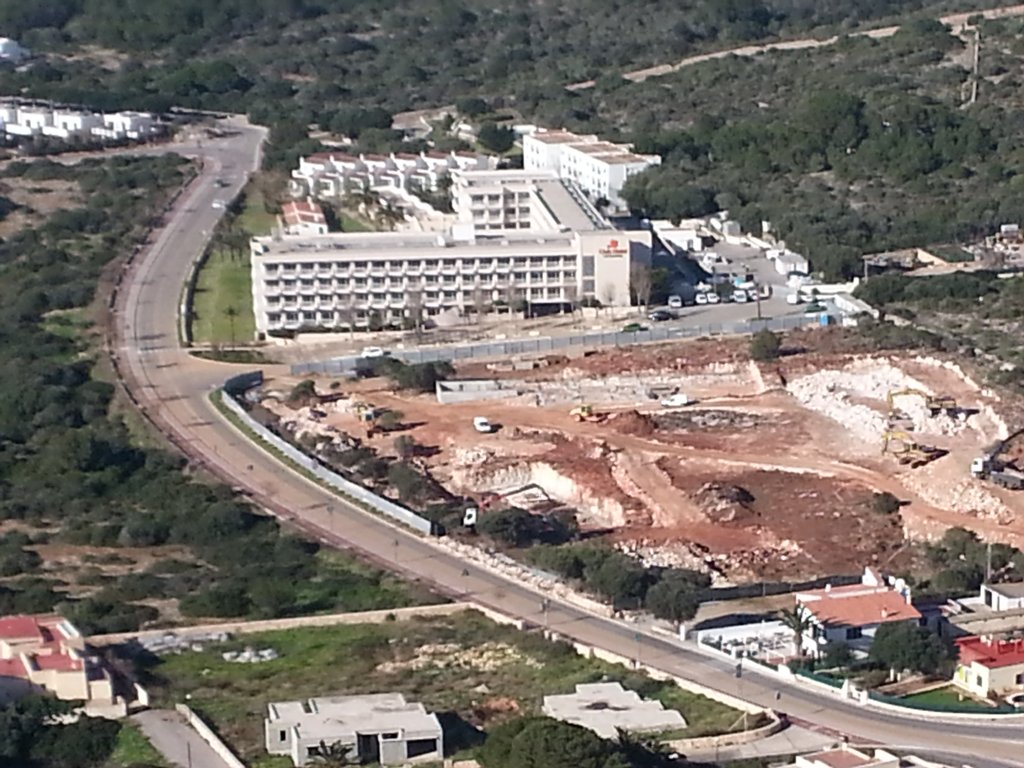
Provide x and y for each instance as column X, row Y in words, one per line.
column 765, row 346
column 885, row 503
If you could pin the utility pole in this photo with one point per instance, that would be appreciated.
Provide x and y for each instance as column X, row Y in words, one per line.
column 544, row 606
column 988, row 562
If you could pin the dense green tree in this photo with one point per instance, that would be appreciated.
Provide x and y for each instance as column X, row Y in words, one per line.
column 903, row 645
column 541, row 742
column 496, row 138
column 765, row 346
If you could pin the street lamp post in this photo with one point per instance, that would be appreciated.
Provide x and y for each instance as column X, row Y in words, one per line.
column 544, row 606
column 636, row 635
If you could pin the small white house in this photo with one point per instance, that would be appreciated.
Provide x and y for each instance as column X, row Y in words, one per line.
column 1003, row 597
column 67, row 124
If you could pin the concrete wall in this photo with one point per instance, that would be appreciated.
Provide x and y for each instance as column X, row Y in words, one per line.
column 270, row 625
column 328, row 477
column 209, row 736
column 451, row 392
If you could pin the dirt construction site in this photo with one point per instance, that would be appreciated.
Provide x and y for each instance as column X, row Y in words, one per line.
column 770, row 472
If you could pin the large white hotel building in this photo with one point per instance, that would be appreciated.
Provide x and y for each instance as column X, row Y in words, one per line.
column 521, row 237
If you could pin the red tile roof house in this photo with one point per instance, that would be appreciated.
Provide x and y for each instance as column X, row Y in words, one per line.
column 303, row 217
column 46, row 653
column 852, row 614
column 990, row 667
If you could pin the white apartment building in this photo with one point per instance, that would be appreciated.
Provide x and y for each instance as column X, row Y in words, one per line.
column 600, row 168
column 518, row 200
column 332, row 175
column 31, row 120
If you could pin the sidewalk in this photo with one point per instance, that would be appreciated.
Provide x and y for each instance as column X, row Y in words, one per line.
column 790, row 741
column 176, row 741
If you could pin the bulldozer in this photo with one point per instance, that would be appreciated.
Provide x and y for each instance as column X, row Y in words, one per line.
column 907, row 451
column 935, row 404
column 587, row 413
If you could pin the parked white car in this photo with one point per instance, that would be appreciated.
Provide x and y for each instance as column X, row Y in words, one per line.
column 714, row 298
column 739, row 296
column 677, row 400
column 374, row 352
column 481, row 424
column 675, row 302
column 701, row 298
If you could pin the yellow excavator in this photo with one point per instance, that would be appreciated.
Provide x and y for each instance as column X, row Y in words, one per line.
column 587, row 413
column 908, row 451
column 935, row 404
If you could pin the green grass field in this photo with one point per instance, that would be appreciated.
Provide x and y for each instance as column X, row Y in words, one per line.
column 223, row 283
column 133, row 748
column 947, row 696
column 462, row 664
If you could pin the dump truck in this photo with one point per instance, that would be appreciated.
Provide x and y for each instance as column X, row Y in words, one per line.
column 935, row 404
column 991, row 467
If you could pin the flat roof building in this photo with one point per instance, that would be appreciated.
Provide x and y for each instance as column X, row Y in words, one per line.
column 520, row 239
column 362, row 279
column 600, row 168
column 378, row 728
column 604, row 708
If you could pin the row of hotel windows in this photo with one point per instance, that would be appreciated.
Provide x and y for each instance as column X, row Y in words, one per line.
column 381, row 282
column 495, row 199
column 326, row 266
column 402, row 298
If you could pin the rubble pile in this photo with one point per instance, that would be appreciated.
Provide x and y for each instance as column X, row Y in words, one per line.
column 836, row 394
column 725, row 503
column 633, row 423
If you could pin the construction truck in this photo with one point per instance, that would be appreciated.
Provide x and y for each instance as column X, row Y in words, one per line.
column 991, row 467
column 908, row 451
column 935, row 404
column 587, row 413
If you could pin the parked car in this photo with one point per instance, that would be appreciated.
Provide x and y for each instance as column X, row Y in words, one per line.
column 701, row 298
column 794, row 299
column 372, row 352
column 481, row 424
column 660, row 315
column 217, row 204
column 633, row 328
column 714, row 298
column 675, row 302
column 740, row 296
column 677, row 400
column 817, row 306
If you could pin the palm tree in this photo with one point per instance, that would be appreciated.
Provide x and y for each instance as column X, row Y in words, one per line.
column 231, row 313
column 336, row 755
column 798, row 620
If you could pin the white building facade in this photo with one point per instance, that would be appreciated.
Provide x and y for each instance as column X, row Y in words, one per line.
column 31, row 120
column 349, row 279
column 600, row 168
column 332, row 175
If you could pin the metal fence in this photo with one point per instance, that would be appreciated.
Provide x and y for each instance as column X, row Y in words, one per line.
column 314, row 467
column 554, row 344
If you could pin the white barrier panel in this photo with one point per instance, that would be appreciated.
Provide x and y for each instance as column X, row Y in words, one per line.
column 329, row 477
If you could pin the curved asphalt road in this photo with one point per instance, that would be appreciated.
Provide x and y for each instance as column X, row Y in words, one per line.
column 172, row 389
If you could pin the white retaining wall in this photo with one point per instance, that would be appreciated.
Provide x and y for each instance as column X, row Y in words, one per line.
column 209, row 736
column 331, row 478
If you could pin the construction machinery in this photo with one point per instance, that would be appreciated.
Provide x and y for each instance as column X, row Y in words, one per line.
column 587, row 413
column 935, row 404
column 991, row 467
column 908, row 451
